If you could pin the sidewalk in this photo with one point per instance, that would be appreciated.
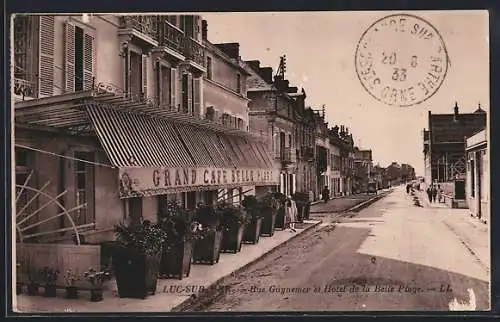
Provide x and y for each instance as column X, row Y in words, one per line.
column 170, row 293
column 471, row 232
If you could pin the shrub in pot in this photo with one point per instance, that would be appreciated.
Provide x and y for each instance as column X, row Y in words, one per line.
column 207, row 250
column 234, row 220
column 33, row 279
column 69, row 282
column 96, row 279
column 268, row 206
column 252, row 230
column 280, row 211
column 49, row 277
column 182, row 231
column 303, row 205
column 136, row 258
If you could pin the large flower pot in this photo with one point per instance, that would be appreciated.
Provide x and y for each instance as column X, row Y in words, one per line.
column 207, row 250
column 252, row 231
column 176, row 260
column 280, row 219
column 232, row 238
column 50, row 291
column 136, row 273
column 33, row 289
column 267, row 228
column 306, row 211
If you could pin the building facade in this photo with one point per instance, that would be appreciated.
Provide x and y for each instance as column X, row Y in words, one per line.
column 277, row 111
column 113, row 116
column 363, row 164
column 444, row 149
column 478, row 177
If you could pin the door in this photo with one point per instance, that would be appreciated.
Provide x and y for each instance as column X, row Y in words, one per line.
column 135, row 211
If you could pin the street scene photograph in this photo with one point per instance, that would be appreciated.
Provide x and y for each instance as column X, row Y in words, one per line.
column 250, row 162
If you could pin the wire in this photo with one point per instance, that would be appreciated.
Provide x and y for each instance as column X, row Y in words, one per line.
column 64, row 156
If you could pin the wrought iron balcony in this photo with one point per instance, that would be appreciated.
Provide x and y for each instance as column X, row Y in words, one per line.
column 194, row 51
column 170, row 36
column 146, row 27
column 24, row 88
column 307, row 152
column 286, row 155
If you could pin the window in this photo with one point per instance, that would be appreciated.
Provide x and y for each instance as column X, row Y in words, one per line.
column 135, row 211
column 238, row 83
column 187, row 25
column 164, row 85
column 25, row 56
column 186, row 93
column 190, row 199
column 209, row 67
column 79, row 58
column 84, row 173
column 135, row 75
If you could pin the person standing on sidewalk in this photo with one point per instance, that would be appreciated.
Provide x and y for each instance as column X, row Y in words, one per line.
column 429, row 193
column 434, row 194
column 325, row 194
column 290, row 214
column 439, row 194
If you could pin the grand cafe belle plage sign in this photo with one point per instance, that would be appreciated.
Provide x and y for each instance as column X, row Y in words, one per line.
column 135, row 182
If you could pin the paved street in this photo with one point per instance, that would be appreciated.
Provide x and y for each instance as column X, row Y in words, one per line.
column 390, row 256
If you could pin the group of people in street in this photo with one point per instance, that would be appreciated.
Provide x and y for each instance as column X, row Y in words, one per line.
column 434, row 193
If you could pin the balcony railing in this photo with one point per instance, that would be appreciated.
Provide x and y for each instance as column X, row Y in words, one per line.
column 25, row 88
column 194, row 51
column 171, row 36
column 147, row 25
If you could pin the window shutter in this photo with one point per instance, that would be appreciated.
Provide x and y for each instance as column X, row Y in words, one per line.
column 159, row 84
column 173, row 89
column 196, row 96
column 276, row 143
column 144, row 76
column 197, row 28
column 88, row 61
column 46, row 65
column 190, row 93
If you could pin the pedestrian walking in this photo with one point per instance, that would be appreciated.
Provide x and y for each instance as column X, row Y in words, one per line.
column 434, row 193
column 407, row 188
column 325, row 194
column 439, row 194
column 429, row 193
column 290, row 214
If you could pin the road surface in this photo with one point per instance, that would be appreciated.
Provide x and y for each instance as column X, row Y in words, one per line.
column 392, row 255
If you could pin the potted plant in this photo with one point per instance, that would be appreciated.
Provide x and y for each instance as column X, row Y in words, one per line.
column 207, row 250
column 234, row 220
column 303, row 205
column 252, row 229
column 136, row 258
column 268, row 207
column 69, row 281
column 33, row 280
column 19, row 283
column 182, row 230
column 96, row 279
column 49, row 276
column 280, row 212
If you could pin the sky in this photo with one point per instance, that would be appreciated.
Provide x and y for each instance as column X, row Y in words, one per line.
column 320, row 49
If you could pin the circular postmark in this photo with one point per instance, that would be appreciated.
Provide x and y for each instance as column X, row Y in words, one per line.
column 401, row 60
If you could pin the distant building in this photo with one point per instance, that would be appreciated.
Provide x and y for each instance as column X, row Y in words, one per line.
column 444, row 149
column 478, row 179
column 363, row 164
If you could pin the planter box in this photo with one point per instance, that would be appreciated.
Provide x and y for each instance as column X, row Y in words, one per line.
column 232, row 238
column 252, row 231
column 267, row 228
column 207, row 250
column 176, row 261
column 136, row 274
column 280, row 219
column 303, row 211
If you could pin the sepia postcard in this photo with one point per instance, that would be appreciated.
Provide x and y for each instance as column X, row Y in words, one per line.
column 250, row 162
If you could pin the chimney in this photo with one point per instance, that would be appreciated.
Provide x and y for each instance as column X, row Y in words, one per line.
column 455, row 112
column 231, row 49
column 254, row 64
column 204, row 27
column 267, row 74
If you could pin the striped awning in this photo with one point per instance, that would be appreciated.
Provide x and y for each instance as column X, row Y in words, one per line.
column 131, row 139
column 140, row 140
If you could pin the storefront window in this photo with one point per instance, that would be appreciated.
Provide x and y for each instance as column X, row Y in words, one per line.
column 84, row 173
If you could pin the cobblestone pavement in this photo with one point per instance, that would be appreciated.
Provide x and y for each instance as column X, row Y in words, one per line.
column 392, row 255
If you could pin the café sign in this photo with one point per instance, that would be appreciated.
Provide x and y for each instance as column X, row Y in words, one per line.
column 138, row 181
